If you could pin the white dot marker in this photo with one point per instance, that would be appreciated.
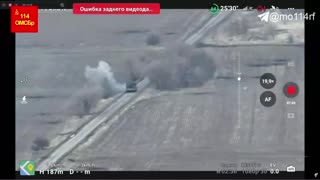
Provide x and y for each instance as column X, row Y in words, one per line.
column 239, row 78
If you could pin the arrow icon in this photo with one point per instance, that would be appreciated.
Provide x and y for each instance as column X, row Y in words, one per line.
column 264, row 16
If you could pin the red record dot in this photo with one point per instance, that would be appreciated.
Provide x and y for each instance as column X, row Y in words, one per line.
column 291, row 89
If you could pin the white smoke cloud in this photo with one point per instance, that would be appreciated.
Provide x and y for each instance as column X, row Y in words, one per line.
column 100, row 83
column 103, row 77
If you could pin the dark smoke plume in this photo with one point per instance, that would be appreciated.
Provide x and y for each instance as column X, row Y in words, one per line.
column 180, row 67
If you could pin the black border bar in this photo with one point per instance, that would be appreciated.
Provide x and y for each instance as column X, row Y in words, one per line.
column 312, row 66
column 7, row 74
column 171, row 4
column 164, row 175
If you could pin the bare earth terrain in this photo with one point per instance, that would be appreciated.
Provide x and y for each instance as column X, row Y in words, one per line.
column 202, row 127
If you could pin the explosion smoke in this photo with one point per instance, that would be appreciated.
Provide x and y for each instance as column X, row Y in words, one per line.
column 180, row 67
column 100, row 83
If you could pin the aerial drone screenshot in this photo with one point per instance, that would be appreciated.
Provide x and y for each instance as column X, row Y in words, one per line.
column 160, row 90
